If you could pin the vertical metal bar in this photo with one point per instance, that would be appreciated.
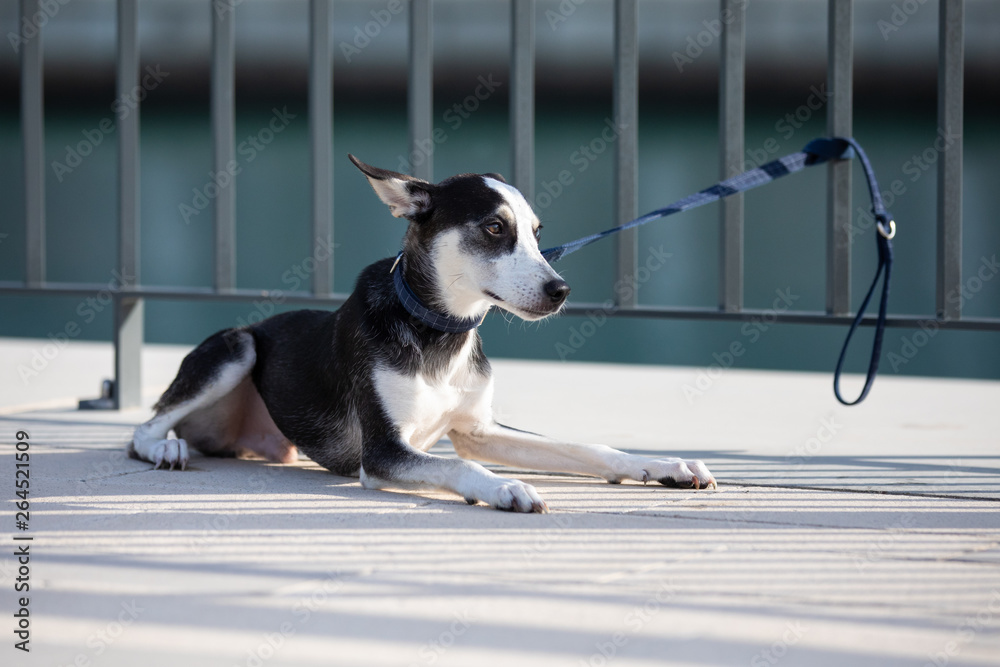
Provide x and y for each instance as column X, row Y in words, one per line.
column 321, row 141
column 33, row 135
column 839, row 123
column 951, row 57
column 128, row 312
column 626, row 113
column 522, row 96
column 223, row 67
column 128, row 142
column 421, row 90
column 732, row 87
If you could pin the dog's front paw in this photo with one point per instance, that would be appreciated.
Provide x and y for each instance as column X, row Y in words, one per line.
column 163, row 453
column 514, row 495
column 678, row 473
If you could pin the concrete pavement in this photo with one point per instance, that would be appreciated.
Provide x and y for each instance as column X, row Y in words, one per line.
column 861, row 536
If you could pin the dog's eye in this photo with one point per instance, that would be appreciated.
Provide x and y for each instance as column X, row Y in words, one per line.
column 494, row 227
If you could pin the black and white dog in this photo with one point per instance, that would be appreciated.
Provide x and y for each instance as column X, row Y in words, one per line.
column 367, row 390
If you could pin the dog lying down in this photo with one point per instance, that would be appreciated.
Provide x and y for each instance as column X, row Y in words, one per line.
column 365, row 391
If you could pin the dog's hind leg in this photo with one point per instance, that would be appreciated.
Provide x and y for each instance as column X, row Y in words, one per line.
column 209, row 373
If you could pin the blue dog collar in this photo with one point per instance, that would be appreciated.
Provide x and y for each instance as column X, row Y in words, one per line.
column 415, row 307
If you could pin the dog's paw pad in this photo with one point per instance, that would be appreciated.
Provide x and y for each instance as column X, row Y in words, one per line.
column 693, row 483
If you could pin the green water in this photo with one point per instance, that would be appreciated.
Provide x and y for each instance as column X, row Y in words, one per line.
column 677, row 155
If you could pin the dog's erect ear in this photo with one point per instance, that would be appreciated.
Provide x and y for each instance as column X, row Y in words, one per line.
column 406, row 196
column 496, row 177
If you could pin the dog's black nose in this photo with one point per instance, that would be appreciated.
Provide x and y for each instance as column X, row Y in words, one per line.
column 557, row 290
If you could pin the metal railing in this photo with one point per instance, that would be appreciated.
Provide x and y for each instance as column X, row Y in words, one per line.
column 128, row 302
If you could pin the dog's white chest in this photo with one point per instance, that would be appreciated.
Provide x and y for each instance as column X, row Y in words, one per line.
column 424, row 408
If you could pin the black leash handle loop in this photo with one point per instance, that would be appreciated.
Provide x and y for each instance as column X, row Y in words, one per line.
column 886, row 229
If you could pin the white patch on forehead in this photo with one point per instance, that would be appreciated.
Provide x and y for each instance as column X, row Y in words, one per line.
column 524, row 217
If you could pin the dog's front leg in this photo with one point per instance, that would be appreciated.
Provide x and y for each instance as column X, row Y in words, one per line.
column 395, row 464
column 497, row 443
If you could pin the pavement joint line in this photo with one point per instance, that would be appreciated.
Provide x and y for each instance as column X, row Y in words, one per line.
column 879, row 492
column 86, row 480
column 643, row 512
column 966, row 561
column 733, row 520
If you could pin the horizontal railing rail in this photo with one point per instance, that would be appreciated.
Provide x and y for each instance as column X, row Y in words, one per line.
column 128, row 301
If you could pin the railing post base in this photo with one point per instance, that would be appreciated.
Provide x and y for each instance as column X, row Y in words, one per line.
column 129, row 332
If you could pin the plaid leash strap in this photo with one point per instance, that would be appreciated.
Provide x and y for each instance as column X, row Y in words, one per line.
column 816, row 152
